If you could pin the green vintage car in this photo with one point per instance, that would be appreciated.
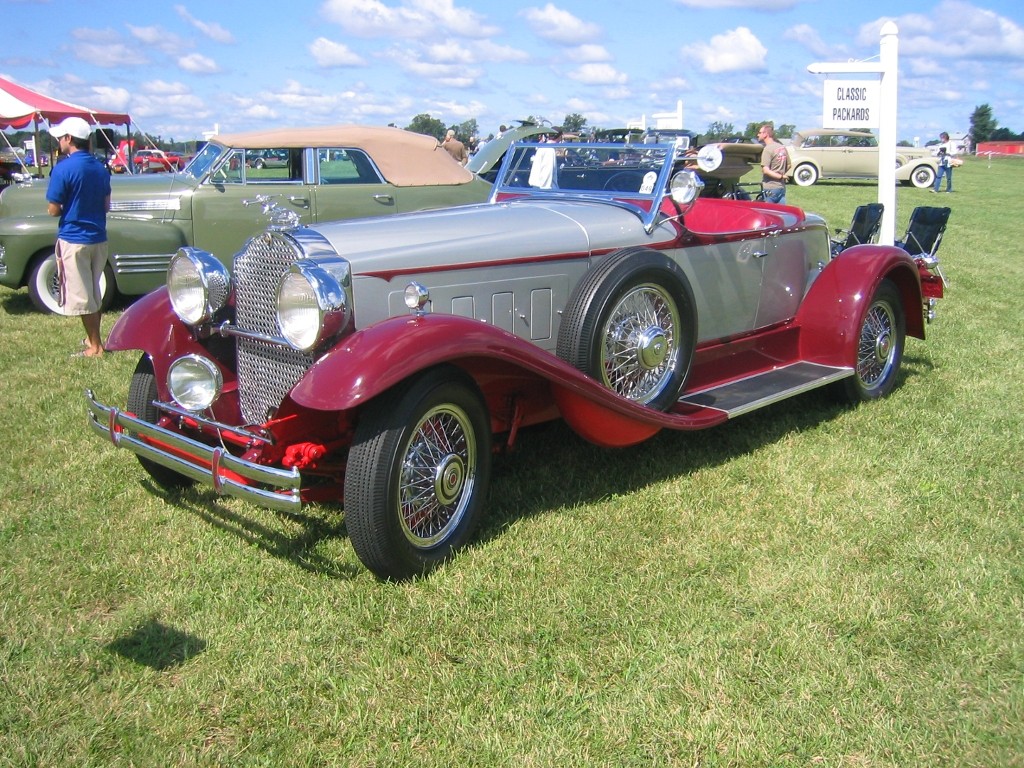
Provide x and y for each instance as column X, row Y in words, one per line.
column 228, row 193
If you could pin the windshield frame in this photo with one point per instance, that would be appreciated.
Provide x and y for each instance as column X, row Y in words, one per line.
column 656, row 159
column 204, row 160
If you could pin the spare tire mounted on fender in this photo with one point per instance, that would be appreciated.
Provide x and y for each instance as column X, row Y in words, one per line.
column 631, row 324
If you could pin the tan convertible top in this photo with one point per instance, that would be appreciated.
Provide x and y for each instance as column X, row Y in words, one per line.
column 405, row 158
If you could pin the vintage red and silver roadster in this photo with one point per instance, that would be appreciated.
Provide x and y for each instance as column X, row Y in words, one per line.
column 381, row 362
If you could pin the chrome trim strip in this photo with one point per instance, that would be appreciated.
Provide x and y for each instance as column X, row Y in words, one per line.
column 141, row 263
column 124, row 431
column 127, row 206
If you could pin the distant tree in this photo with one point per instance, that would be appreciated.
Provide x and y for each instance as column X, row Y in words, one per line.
column 983, row 123
column 718, row 130
column 428, row 126
column 574, row 123
column 466, row 130
column 1003, row 134
column 782, row 131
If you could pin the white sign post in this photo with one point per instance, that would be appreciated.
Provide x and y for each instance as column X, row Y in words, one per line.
column 869, row 104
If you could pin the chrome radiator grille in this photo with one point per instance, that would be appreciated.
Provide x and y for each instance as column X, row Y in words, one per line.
column 266, row 372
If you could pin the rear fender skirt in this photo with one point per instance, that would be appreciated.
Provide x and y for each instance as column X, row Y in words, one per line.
column 829, row 317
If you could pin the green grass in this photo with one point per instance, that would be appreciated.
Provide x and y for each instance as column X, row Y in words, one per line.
column 810, row 585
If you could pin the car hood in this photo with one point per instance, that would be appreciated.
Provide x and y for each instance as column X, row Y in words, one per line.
column 145, row 192
column 487, row 232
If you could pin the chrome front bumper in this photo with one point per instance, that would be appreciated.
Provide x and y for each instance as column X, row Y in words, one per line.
column 227, row 474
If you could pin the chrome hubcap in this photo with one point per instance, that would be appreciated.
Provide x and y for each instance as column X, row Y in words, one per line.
column 639, row 343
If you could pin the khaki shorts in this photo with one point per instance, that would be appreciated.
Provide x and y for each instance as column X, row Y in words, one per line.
column 79, row 269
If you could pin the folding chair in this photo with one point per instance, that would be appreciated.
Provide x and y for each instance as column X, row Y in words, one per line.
column 867, row 219
column 924, row 234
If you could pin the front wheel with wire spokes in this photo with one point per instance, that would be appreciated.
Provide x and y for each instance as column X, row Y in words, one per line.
column 417, row 474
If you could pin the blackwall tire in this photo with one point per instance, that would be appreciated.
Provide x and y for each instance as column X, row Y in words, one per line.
column 631, row 324
column 417, row 474
column 141, row 393
column 881, row 340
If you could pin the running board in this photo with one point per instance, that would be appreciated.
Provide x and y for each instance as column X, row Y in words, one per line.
column 762, row 389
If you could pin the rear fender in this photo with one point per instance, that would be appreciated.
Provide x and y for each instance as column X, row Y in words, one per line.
column 829, row 317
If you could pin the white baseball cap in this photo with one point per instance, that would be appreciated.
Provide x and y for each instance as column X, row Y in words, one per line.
column 71, row 126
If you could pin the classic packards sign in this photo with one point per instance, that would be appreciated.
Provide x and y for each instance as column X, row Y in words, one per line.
column 851, row 104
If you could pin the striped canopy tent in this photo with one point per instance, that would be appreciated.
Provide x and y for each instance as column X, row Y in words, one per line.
column 21, row 107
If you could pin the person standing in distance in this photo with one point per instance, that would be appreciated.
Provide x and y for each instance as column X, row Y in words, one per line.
column 774, row 166
column 79, row 193
column 945, row 151
column 455, row 148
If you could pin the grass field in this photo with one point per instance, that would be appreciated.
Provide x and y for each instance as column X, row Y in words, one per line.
column 810, row 585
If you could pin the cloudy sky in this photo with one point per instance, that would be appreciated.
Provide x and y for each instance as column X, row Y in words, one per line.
column 184, row 68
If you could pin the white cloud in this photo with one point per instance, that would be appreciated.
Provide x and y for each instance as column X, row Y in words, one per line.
column 198, row 64
column 598, row 74
column 493, row 53
column 808, row 37
column 327, row 53
column 159, row 38
column 413, row 19
column 104, row 48
column 163, row 88
column 211, row 30
column 558, row 26
column 449, row 52
column 954, row 30
column 737, row 50
column 752, row 5
column 589, row 52
column 109, row 98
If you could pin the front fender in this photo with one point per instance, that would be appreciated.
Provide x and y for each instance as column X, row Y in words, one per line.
column 830, row 315
column 22, row 238
column 151, row 326
column 373, row 360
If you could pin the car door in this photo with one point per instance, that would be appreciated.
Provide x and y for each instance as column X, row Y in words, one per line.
column 860, row 156
column 790, row 261
column 726, row 281
column 348, row 185
column 227, row 208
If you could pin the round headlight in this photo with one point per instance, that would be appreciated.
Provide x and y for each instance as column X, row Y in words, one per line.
column 194, row 382
column 198, row 285
column 312, row 304
column 685, row 187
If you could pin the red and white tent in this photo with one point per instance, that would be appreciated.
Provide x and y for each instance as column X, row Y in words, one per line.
column 21, row 106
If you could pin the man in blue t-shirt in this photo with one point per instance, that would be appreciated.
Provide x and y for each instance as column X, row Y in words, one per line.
column 79, row 192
